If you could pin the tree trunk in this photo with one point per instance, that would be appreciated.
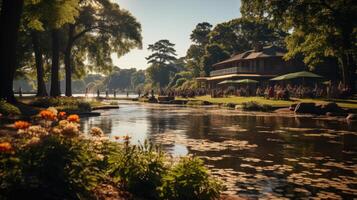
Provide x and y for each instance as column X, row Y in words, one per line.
column 67, row 61
column 41, row 86
column 55, row 84
column 10, row 16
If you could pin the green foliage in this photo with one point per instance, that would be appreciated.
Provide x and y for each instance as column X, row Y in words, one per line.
column 164, row 53
column 189, row 179
column 319, row 29
column 42, row 14
column 141, row 169
column 214, row 53
column 180, row 82
column 8, row 109
column 57, row 166
column 54, row 168
column 254, row 106
column 63, row 103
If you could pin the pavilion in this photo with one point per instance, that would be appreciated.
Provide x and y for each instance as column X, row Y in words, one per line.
column 260, row 64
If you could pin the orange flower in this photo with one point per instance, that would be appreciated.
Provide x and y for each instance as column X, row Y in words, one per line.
column 73, row 118
column 62, row 115
column 48, row 115
column 5, row 147
column 22, row 125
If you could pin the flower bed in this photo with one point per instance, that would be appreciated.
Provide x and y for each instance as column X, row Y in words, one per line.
column 51, row 159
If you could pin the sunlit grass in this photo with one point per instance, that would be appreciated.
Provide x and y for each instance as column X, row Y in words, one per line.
column 345, row 103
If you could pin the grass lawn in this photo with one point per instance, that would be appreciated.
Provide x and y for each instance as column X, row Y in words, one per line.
column 345, row 103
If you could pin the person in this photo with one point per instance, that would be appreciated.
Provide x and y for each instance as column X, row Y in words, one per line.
column 152, row 93
column 115, row 94
column 98, row 93
column 139, row 93
column 20, row 92
column 86, row 92
column 127, row 94
column 106, row 93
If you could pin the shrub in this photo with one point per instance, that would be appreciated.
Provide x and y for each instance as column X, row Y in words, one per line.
column 230, row 105
column 52, row 168
column 63, row 103
column 140, row 168
column 84, row 106
column 7, row 108
column 189, row 179
column 254, row 106
column 198, row 103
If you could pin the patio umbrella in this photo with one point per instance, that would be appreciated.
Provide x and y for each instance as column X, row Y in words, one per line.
column 247, row 81
column 226, row 82
column 302, row 74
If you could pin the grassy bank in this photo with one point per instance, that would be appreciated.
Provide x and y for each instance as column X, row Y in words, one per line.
column 344, row 103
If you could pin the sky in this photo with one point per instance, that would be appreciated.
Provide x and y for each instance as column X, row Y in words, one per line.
column 173, row 20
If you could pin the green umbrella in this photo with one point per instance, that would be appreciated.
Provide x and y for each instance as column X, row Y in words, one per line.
column 302, row 74
column 247, row 81
column 226, row 82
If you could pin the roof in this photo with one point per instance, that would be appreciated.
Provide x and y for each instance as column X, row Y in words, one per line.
column 233, row 76
column 268, row 51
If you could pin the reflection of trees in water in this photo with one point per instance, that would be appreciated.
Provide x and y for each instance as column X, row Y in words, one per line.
column 160, row 122
column 199, row 126
column 105, row 123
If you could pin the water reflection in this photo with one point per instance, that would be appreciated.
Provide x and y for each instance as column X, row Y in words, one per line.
column 257, row 155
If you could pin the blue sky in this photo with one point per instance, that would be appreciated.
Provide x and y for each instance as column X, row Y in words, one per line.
column 173, row 20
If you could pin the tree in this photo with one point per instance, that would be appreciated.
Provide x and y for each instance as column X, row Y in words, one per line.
column 137, row 79
column 10, row 16
column 52, row 16
column 162, row 62
column 200, row 38
column 318, row 28
column 214, row 53
column 163, row 53
column 104, row 22
column 241, row 35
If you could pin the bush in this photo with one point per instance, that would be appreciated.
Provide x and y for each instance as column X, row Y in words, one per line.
column 140, row 168
column 254, row 106
column 230, row 105
column 63, row 103
column 198, row 103
column 7, row 108
column 53, row 168
column 189, row 179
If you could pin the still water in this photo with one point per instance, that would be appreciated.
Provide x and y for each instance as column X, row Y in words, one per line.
column 257, row 155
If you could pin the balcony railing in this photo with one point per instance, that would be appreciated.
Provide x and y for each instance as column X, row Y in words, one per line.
column 235, row 70
column 232, row 70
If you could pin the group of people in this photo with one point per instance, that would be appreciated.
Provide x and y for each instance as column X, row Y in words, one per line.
column 277, row 91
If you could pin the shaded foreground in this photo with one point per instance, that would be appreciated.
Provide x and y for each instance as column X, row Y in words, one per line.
column 52, row 159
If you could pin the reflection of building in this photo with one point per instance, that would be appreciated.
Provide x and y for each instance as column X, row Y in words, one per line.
column 258, row 64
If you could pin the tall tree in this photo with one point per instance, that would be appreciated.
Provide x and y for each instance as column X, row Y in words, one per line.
column 10, row 16
column 162, row 62
column 214, row 53
column 51, row 16
column 239, row 35
column 163, row 53
column 319, row 28
column 105, row 22
column 200, row 38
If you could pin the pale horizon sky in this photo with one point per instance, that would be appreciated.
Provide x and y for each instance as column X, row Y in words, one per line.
column 173, row 20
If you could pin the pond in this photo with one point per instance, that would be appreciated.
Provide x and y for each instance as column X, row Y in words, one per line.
column 257, row 155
